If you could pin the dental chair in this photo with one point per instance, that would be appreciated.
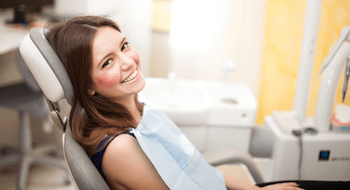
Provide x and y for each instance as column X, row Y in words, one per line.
column 53, row 80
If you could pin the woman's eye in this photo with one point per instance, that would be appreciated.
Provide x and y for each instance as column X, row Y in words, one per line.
column 107, row 63
column 125, row 45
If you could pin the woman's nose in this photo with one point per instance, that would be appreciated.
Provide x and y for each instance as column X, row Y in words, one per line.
column 126, row 63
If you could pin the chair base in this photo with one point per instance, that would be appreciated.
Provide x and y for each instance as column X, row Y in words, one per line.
column 28, row 156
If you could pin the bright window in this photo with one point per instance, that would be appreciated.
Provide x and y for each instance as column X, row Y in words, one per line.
column 192, row 23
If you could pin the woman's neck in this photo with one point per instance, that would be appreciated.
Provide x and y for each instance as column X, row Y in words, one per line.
column 130, row 104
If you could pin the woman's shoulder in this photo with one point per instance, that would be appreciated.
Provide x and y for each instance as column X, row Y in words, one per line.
column 121, row 144
column 117, row 156
column 125, row 164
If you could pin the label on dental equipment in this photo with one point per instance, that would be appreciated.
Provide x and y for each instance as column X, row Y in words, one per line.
column 324, row 155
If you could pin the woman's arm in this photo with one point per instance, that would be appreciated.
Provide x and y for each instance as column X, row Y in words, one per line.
column 235, row 184
column 126, row 166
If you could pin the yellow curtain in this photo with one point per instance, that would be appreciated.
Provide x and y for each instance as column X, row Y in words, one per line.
column 281, row 54
column 161, row 15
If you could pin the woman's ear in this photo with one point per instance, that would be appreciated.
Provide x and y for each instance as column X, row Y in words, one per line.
column 91, row 92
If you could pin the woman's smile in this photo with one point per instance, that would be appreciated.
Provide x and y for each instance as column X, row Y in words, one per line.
column 132, row 77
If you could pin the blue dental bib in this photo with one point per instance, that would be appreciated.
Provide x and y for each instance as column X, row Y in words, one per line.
column 177, row 161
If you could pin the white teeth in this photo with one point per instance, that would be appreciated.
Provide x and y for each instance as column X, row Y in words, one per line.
column 132, row 76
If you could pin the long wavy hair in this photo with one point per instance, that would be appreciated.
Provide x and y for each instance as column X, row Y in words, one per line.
column 92, row 117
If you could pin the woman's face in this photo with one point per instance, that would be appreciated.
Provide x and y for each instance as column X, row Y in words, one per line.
column 116, row 69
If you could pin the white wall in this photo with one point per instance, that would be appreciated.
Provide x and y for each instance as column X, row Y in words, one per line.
column 245, row 34
column 80, row 7
column 135, row 20
column 238, row 36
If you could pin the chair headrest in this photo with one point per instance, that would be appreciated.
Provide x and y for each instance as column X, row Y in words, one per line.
column 46, row 66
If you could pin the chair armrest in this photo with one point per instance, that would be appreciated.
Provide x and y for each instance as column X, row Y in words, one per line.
column 233, row 155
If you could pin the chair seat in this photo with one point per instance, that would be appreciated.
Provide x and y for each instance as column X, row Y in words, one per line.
column 21, row 97
column 17, row 95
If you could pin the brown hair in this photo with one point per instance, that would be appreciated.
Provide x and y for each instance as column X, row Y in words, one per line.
column 91, row 117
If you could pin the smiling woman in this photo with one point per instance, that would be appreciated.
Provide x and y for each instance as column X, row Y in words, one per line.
column 97, row 58
column 106, row 76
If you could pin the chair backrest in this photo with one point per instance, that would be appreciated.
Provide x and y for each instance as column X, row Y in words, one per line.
column 51, row 75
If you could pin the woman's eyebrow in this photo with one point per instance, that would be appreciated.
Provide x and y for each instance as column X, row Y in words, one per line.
column 121, row 43
column 103, row 59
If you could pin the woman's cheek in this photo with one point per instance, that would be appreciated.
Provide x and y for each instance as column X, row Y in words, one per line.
column 136, row 57
column 105, row 81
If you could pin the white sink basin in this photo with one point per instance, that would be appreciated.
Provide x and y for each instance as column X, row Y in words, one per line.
column 184, row 101
column 200, row 102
